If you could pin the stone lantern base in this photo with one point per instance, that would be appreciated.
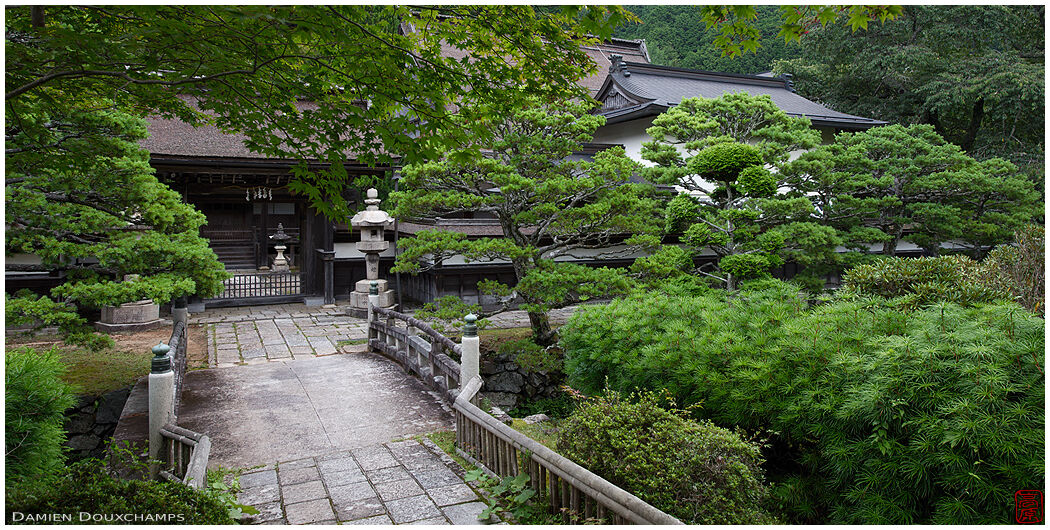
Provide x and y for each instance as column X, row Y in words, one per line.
column 359, row 297
column 132, row 316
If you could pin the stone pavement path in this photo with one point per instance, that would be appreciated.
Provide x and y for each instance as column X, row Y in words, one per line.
column 250, row 335
column 393, row 483
column 291, row 409
column 314, row 430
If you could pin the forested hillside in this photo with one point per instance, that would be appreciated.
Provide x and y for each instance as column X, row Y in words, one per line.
column 676, row 36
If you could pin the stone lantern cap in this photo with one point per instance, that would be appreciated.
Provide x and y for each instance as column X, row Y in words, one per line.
column 280, row 237
column 371, row 216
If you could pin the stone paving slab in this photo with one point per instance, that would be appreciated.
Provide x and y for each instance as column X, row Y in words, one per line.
column 339, row 497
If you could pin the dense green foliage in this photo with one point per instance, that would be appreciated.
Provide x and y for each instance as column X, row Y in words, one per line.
column 695, row 471
column 876, row 415
column 548, row 205
column 739, row 33
column 81, row 197
column 1010, row 272
column 721, row 151
column 919, row 282
column 742, row 39
column 90, row 487
column 675, row 36
column 1020, row 268
column 895, row 183
column 35, row 400
column 375, row 91
column 975, row 73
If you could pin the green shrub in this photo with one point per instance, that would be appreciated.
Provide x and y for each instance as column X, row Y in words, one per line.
column 1020, row 269
column 724, row 161
column 696, row 471
column 877, row 415
column 661, row 341
column 530, row 356
column 89, row 487
column 918, row 282
column 35, row 400
column 556, row 407
column 668, row 262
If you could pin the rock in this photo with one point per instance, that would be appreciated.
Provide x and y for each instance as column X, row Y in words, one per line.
column 536, row 418
column 111, row 405
column 505, row 382
column 81, row 423
column 85, row 402
column 488, row 367
column 498, row 413
column 503, row 400
column 83, row 442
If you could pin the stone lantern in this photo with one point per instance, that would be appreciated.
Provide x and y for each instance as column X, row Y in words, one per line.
column 280, row 263
column 371, row 223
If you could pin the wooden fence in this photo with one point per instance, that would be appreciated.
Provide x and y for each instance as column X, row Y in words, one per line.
column 178, row 342
column 184, row 456
column 261, row 285
column 569, row 489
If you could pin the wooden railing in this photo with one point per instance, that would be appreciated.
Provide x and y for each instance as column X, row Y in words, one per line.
column 259, row 285
column 576, row 493
column 572, row 491
column 184, row 456
column 423, row 355
column 178, row 342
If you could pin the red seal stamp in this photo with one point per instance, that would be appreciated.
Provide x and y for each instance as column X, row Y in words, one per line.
column 1028, row 506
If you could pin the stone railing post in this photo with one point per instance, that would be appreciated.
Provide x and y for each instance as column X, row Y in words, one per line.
column 161, row 400
column 469, row 362
column 373, row 302
column 179, row 311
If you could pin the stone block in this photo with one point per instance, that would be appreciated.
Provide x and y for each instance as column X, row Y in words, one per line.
column 363, row 286
column 309, row 512
column 306, row 491
column 412, row 509
column 111, row 405
column 398, row 489
column 465, row 513
column 298, row 475
column 452, row 494
column 131, row 313
column 372, row 246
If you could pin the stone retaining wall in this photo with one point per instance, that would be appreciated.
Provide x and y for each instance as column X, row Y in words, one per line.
column 91, row 422
column 507, row 385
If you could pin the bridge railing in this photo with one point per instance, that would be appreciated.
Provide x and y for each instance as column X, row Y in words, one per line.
column 179, row 454
column 569, row 489
column 418, row 348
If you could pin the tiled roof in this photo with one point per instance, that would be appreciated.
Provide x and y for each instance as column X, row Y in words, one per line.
column 175, row 137
column 645, row 89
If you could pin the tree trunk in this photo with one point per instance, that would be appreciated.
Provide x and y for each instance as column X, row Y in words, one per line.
column 541, row 326
column 975, row 124
column 542, row 333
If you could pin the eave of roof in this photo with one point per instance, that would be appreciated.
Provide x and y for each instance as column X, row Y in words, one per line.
column 673, row 84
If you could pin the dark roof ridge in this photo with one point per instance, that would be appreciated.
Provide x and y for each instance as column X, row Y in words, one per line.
column 648, row 68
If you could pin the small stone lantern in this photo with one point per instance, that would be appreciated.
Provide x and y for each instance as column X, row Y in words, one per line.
column 372, row 223
column 280, row 263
